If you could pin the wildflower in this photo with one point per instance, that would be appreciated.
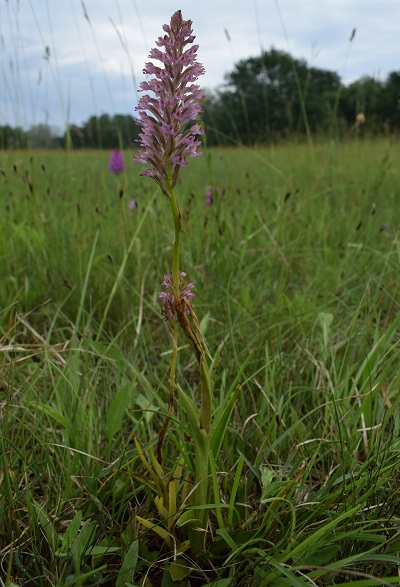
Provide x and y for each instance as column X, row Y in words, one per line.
column 167, row 140
column 208, row 199
column 132, row 204
column 116, row 163
column 168, row 299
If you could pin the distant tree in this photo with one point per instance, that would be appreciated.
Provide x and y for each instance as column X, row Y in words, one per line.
column 271, row 96
column 320, row 92
column 90, row 133
column 12, row 137
column 390, row 105
column 364, row 95
column 128, row 129
column 42, row 136
column 105, row 132
column 77, row 137
column 108, row 131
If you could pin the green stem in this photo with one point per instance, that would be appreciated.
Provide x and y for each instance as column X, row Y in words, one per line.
column 176, row 215
column 200, row 494
column 200, row 424
column 206, row 395
column 172, row 371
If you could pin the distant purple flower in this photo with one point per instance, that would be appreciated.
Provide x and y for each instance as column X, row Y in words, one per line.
column 209, row 193
column 173, row 103
column 116, row 163
column 168, row 299
column 132, row 204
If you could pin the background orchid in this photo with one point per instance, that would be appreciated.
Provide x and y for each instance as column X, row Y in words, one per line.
column 116, row 162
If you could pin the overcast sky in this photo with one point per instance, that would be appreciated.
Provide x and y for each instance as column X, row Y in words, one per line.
column 67, row 59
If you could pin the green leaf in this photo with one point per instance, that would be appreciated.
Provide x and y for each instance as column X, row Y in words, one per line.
column 246, row 298
column 50, row 532
column 204, row 322
column 71, row 532
column 149, row 409
column 214, row 367
column 325, row 319
column 50, row 411
column 191, row 412
column 221, row 583
column 99, row 550
column 162, row 533
column 80, row 579
column 179, row 569
column 116, row 412
column 128, row 567
column 319, row 556
column 266, row 476
column 235, row 486
column 167, row 579
column 108, row 352
column 187, row 518
column 270, row 488
column 288, row 578
column 219, row 429
column 224, row 534
column 82, row 543
column 378, row 582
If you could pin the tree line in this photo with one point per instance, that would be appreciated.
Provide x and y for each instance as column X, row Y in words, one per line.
column 98, row 132
column 264, row 99
column 274, row 96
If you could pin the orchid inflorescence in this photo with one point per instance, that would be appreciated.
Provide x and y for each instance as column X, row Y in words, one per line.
column 168, row 298
column 116, row 163
column 168, row 137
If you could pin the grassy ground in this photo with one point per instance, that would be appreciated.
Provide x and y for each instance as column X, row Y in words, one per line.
column 296, row 269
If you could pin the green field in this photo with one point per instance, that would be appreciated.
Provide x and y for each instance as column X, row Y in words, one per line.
column 296, row 268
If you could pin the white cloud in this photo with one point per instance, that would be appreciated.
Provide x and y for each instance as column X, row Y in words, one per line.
column 98, row 57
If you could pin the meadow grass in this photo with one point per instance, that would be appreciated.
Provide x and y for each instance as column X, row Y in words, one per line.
column 296, row 268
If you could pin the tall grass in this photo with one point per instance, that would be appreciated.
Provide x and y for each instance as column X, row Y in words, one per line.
column 296, row 264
